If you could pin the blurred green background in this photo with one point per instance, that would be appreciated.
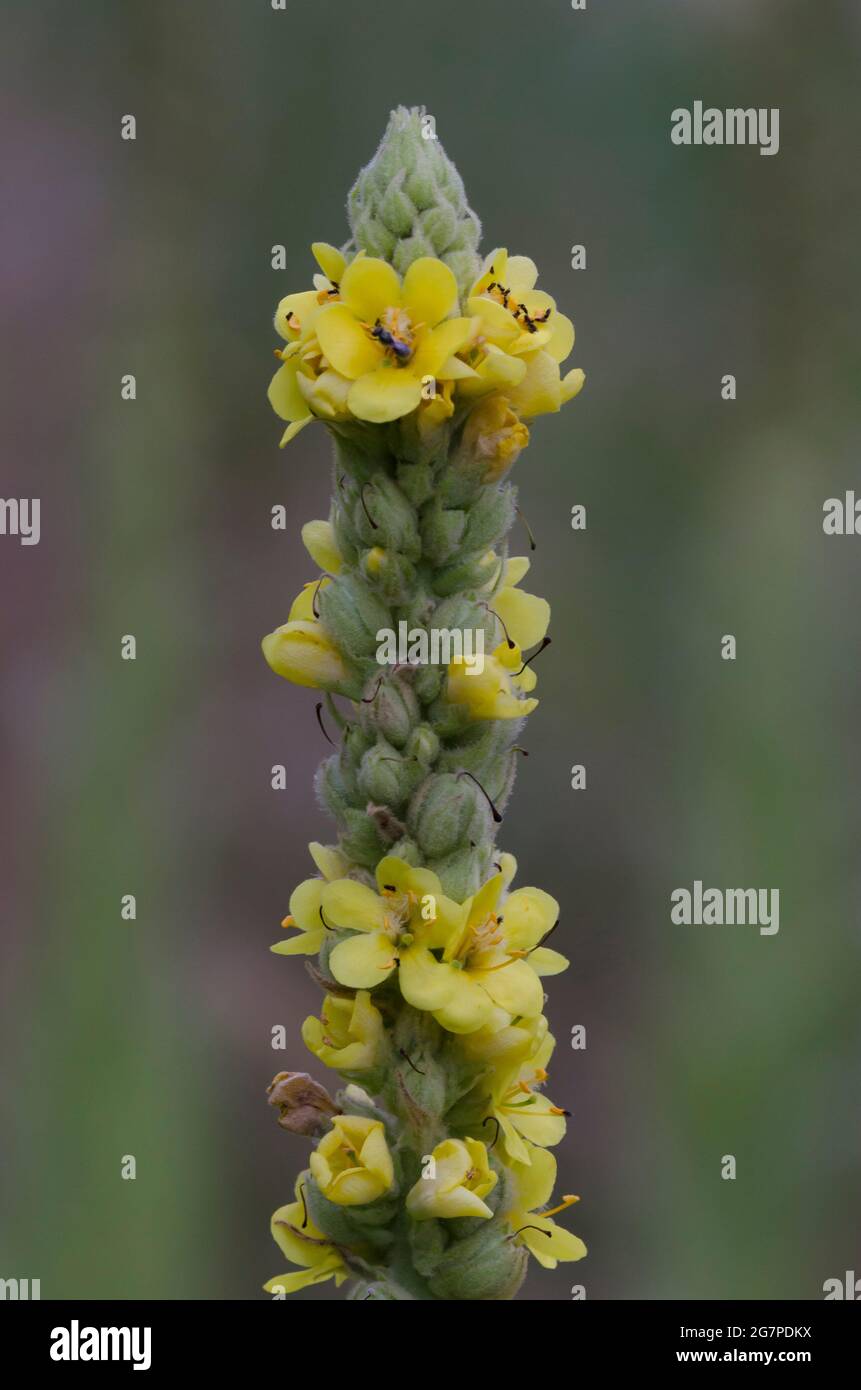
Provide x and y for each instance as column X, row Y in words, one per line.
column 152, row 1038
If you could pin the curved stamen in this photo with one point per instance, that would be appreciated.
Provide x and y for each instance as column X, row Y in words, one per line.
column 492, row 1119
column 533, row 544
column 319, row 712
column 545, row 643
column 496, row 816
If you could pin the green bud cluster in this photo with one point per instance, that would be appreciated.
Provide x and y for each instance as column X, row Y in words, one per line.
column 415, row 775
column 410, row 202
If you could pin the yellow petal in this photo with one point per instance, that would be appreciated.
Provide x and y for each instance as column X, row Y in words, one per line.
column 530, row 913
column 302, row 1278
column 347, row 345
column 547, row 962
column 498, row 322
column 353, row 906
column 284, row 395
column 429, row 292
column 318, row 538
column 561, row 337
column 516, row 570
column 515, row 1147
column 303, row 654
column 292, row 430
column 540, row 392
column 326, row 394
column 303, row 606
column 398, row 876
column 515, row 988
column 439, row 344
column 572, row 383
column 295, row 314
column 385, row 394
column 363, row 962
column 329, row 259
column 468, row 1007
column 526, row 616
column 425, row 982
column 305, row 903
column 538, row 1125
column 494, row 268
column 368, row 287
column 535, row 1184
column 520, row 275
column 552, row 1243
column 330, row 861
column 376, row 1157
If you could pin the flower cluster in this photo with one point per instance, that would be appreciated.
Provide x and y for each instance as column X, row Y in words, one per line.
column 432, row 1171
column 366, row 345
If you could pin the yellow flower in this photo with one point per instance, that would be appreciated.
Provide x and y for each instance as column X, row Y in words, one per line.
column 295, row 315
column 304, row 1245
column 533, row 1186
column 487, row 962
column 388, row 337
column 305, row 387
column 301, row 650
column 306, row 903
column 459, row 1177
column 493, row 439
column 529, row 318
column 520, row 322
column 493, row 692
column 398, row 925
column 525, row 617
column 349, row 1034
column 521, row 1113
column 352, row 1165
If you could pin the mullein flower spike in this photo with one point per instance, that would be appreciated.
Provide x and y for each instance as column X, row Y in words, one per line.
column 431, row 1177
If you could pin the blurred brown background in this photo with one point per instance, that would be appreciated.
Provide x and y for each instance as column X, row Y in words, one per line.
column 704, row 517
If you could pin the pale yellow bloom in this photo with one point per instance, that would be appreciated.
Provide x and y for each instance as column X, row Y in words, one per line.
column 352, row 1165
column 488, row 961
column 349, row 1034
column 459, row 1177
column 493, row 692
column 303, row 1244
column 531, row 1224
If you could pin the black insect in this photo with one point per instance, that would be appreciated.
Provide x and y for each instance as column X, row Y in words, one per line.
column 399, row 348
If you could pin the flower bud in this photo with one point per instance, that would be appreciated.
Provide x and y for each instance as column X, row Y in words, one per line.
column 473, row 573
column 393, row 576
column 447, row 812
column 353, row 615
column 486, row 1265
column 423, row 745
column 490, row 518
column 304, row 1106
column 393, row 711
column 442, row 531
column 386, row 777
